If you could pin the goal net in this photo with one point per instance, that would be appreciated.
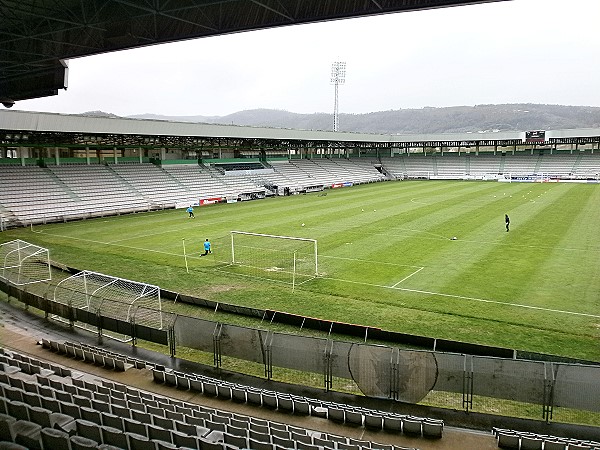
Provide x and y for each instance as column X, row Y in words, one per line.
column 279, row 258
column 112, row 297
column 24, row 263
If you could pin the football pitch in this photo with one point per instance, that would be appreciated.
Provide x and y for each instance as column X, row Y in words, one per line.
column 386, row 258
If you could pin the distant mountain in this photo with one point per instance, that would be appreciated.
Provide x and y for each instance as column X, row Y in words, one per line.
column 195, row 119
column 459, row 119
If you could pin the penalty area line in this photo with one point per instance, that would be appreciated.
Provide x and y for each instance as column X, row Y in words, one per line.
column 407, row 277
column 462, row 297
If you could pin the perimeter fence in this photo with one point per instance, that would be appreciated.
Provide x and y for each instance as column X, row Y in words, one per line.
column 554, row 391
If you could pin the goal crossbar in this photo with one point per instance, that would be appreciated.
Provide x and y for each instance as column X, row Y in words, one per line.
column 273, row 236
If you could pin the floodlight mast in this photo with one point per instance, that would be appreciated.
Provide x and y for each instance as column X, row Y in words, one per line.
column 338, row 76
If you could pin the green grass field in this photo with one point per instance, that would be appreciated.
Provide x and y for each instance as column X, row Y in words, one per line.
column 386, row 258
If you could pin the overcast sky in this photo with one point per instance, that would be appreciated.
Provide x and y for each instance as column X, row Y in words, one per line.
column 519, row 51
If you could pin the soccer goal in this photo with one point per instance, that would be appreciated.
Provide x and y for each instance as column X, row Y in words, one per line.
column 112, row 297
column 279, row 258
column 24, row 263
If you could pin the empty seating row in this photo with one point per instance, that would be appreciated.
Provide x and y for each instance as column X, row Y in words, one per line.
column 372, row 419
column 124, row 417
column 94, row 355
column 520, row 440
column 30, row 365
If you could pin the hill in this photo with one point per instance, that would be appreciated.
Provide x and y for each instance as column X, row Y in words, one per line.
column 509, row 117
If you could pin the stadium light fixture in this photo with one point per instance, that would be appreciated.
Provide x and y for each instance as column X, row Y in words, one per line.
column 338, row 76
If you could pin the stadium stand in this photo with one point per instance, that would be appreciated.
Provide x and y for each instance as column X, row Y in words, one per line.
column 154, row 184
column 31, row 194
column 67, row 409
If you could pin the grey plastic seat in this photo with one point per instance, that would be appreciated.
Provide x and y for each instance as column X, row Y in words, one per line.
column 27, row 434
column 304, row 446
column 90, row 414
column 195, row 385
column 82, row 443
column 88, row 430
column 112, row 420
column 158, row 376
column 259, row 445
column 48, row 419
column 301, row 407
column 209, row 388
column 114, row 436
column 236, row 441
column 238, row 394
column 18, row 410
column 170, row 379
column 269, row 399
column 348, row 446
column 335, row 414
column 139, row 442
column 140, row 416
column 70, row 409
column 63, row 396
column 373, row 421
column 254, row 396
column 224, row 391
column 508, row 440
column 174, row 415
column 156, row 433
column 354, row 417
column 13, row 394
column 285, row 403
column 163, row 422
column 412, row 426
column 184, row 440
column 259, row 436
column 133, row 426
column 51, row 403
column 54, row 439
column 554, row 445
column 190, row 429
column 183, row 382
column 80, row 401
column 164, row 445
column 282, row 442
column 236, row 431
column 109, row 447
column 531, row 443
column 434, row 429
column 6, row 426
column 121, row 411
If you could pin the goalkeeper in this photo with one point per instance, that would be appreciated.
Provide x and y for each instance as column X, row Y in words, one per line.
column 207, row 249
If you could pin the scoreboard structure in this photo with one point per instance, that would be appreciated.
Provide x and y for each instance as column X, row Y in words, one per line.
column 535, row 136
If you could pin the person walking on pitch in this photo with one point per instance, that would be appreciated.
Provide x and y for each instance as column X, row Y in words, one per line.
column 190, row 211
column 207, row 249
column 507, row 221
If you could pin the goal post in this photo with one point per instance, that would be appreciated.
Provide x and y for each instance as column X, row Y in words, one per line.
column 24, row 263
column 275, row 257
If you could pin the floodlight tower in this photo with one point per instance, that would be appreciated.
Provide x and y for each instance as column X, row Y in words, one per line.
column 338, row 76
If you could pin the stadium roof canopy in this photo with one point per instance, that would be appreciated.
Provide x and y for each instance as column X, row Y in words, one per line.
column 37, row 37
column 21, row 128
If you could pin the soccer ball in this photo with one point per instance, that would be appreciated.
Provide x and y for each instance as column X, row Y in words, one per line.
column 363, row 210
column 302, row 224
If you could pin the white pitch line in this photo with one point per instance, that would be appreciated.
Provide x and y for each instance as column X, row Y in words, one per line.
column 461, row 297
column 111, row 244
column 354, row 282
column 406, row 278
